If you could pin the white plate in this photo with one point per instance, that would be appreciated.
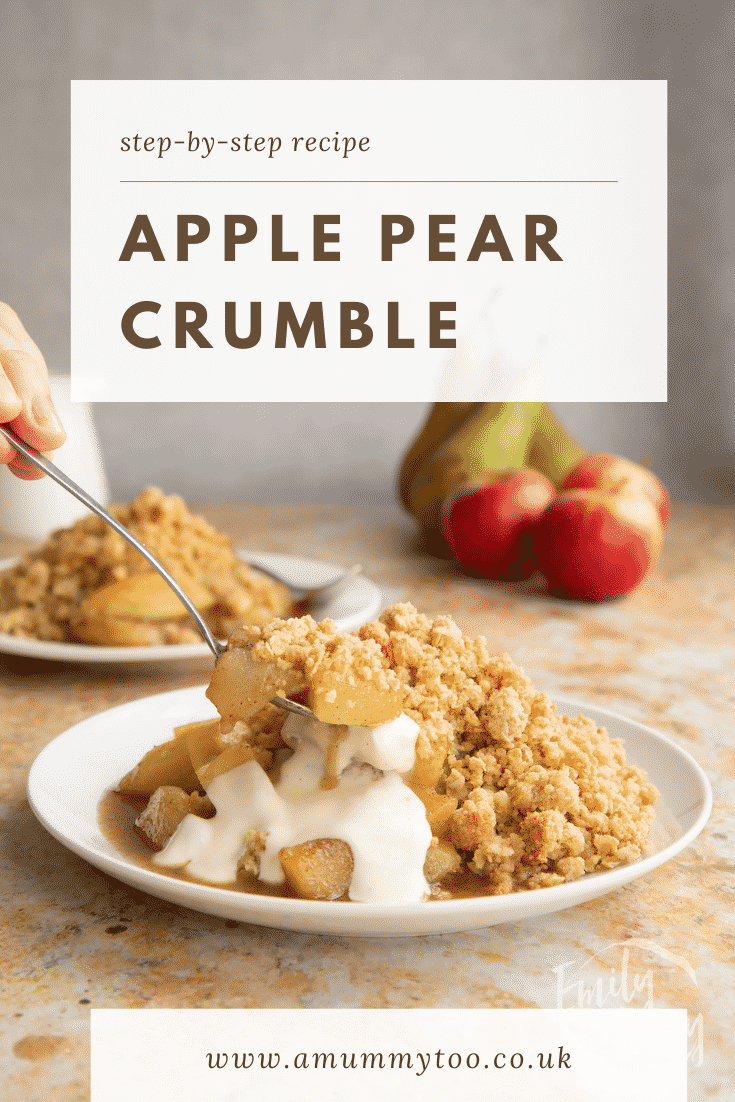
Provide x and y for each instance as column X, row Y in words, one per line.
column 356, row 604
column 70, row 776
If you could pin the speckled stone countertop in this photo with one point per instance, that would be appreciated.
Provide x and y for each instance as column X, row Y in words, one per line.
column 72, row 938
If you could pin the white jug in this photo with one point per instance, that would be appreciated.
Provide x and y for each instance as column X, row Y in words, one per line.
column 32, row 510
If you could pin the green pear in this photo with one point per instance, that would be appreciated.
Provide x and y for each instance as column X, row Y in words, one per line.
column 443, row 418
column 553, row 451
column 495, row 437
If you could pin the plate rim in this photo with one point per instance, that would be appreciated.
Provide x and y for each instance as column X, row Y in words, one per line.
column 321, row 916
column 87, row 653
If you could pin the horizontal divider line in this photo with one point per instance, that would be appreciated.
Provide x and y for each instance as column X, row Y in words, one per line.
column 368, row 181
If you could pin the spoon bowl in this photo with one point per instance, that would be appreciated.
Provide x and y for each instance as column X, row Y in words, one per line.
column 325, row 591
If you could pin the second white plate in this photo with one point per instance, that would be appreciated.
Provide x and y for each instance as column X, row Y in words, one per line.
column 358, row 602
column 70, row 776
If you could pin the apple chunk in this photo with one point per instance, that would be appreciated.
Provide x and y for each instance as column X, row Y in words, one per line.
column 321, row 869
column 240, row 687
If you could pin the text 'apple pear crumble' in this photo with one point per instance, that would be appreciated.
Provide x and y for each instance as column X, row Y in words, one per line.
column 88, row 585
column 431, row 768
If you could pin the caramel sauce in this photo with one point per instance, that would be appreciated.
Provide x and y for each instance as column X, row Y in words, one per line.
column 330, row 779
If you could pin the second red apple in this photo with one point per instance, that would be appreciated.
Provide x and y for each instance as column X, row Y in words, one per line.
column 613, row 474
column 598, row 546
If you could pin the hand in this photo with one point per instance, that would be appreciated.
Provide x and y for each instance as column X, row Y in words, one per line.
column 25, row 402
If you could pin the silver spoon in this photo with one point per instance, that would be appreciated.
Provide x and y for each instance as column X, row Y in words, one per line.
column 217, row 648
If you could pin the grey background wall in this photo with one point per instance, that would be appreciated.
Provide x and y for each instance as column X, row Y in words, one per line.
column 330, row 452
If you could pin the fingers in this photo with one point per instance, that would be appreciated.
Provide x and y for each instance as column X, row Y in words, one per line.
column 25, row 401
column 18, row 463
column 10, row 404
column 24, row 469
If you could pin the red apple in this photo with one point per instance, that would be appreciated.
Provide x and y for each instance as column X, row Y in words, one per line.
column 614, row 474
column 598, row 546
column 489, row 521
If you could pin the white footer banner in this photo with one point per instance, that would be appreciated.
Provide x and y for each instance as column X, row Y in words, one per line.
column 355, row 1055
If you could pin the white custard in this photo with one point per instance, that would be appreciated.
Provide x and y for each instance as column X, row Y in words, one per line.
column 368, row 805
column 390, row 747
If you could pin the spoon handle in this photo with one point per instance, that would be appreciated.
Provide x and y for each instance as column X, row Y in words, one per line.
column 53, row 472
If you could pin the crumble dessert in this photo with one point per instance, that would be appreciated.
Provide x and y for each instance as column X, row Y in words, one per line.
column 86, row 584
column 428, row 764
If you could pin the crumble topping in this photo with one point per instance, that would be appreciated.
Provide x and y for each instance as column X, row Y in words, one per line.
column 527, row 798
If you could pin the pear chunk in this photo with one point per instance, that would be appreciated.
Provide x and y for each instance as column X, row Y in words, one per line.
column 145, row 597
column 318, row 870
